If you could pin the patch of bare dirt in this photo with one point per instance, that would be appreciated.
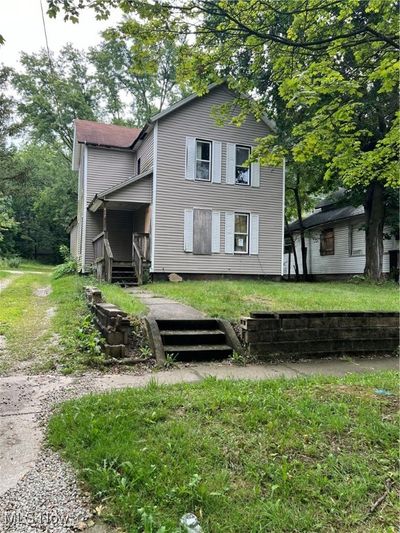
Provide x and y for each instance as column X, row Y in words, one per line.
column 42, row 292
column 261, row 300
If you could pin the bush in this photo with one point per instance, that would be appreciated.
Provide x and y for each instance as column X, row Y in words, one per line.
column 69, row 266
column 13, row 261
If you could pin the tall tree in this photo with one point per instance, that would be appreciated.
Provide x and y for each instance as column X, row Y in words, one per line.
column 42, row 197
column 53, row 91
column 129, row 62
column 8, row 168
column 335, row 61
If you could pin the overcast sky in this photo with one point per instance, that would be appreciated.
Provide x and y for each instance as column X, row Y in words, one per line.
column 21, row 26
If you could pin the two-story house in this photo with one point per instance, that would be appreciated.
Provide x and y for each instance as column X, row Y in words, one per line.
column 177, row 196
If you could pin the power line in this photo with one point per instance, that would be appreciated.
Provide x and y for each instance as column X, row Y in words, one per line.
column 45, row 34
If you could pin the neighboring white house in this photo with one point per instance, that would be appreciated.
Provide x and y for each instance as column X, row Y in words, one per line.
column 177, row 196
column 335, row 241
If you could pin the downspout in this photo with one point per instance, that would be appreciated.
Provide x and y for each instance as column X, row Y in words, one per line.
column 85, row 171
column 154, row 197
column 283, row 215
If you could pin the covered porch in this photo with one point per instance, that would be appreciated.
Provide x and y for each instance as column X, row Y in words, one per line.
column 122, row 249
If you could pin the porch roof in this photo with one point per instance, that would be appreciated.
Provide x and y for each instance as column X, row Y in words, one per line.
column 98, row 199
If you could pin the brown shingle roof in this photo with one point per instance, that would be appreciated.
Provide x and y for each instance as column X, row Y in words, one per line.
column 88, row 131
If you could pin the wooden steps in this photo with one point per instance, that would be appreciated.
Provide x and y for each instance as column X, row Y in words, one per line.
column 123, row 274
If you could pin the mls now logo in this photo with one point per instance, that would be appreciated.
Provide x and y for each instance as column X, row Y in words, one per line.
column 11, row 519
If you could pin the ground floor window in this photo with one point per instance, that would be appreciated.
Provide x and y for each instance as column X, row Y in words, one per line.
column 327, row 242
column 241, row 241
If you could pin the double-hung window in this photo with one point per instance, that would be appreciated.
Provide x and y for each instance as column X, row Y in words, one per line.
column 203, row 160
column 242, row 172
column 241, row 233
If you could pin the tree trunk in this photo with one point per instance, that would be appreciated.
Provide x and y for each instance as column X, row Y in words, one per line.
column 296, row 264
column 374, row 207
column 302, row 237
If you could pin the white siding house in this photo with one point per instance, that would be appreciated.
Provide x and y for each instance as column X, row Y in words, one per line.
column 345, row 254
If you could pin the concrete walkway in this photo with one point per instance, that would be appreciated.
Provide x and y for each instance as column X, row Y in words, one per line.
column 164, row 308
column 26, row 400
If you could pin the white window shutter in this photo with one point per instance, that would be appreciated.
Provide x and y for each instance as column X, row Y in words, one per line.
column 190, row 158
column 254, row 233
column 188, row 231
column 230, row 163
column 229, row 232
column 216, row 162
column 255, row 174
column 216, row 232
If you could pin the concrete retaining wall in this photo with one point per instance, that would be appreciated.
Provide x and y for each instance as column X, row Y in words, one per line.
column 301, row 334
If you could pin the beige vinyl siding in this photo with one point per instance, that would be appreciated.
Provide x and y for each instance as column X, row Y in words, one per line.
column 139, row 191
column 79, row 217
column 145, row 153
column 175, row 194
column 73, row 241
column 94, row 226
column 106, row 168
column 342, row 262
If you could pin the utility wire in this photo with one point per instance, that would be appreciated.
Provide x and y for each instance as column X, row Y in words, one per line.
column 45, row 34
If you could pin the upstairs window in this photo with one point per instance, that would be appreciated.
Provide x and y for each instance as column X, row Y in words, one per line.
column 241, row 241
column 242, row 172
column 327, row 242
column 203, row 160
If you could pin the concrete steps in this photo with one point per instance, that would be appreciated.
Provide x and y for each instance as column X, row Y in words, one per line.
column 192, row 339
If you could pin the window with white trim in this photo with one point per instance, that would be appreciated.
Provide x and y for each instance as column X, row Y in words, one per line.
column 203, row 160
column 241, row 233
column 242, row 172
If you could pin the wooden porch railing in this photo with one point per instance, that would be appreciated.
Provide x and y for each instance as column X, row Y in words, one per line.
column 103, row 257
column 140, row 254
column 108, row 260
column 98, row 247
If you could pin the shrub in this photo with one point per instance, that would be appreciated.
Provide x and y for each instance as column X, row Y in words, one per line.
column 13, row 261
column 69, row 266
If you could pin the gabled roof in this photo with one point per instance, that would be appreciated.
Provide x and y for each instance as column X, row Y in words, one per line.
column 109, row 135
column 194, row 96
column 327, row 217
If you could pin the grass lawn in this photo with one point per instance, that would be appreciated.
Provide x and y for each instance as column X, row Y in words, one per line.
column 71, row 308
column 23, row 319
column 118, row 296
column 284, row 455
column 42, row 332
column 232, row 299
column 28, row 264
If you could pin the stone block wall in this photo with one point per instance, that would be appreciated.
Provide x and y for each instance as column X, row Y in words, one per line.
column 113, row 323
column 291, row 335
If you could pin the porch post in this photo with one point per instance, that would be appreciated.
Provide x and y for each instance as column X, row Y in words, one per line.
column 105, row 219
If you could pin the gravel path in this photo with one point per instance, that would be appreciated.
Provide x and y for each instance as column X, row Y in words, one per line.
column 38, row 491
